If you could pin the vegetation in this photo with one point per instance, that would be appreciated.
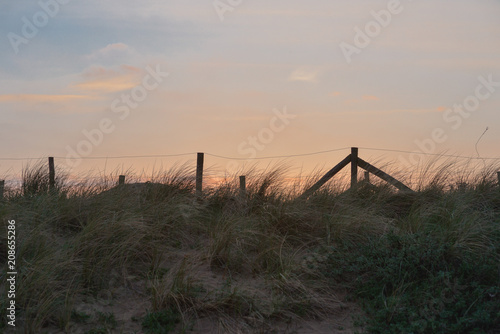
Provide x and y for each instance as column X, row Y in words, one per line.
column 154, row 258
column 161, row 322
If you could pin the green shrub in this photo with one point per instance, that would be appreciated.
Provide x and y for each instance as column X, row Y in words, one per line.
column 414, row 283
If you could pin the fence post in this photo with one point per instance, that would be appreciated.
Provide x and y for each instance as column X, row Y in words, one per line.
column 367, row 176
column 121, row 180
column 52, row 174
column 243, row 187
column 354, row 167
column 199, row 173
column 498, row 176
column 2, row 187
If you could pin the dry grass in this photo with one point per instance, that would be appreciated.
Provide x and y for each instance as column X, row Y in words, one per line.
column 245, row 263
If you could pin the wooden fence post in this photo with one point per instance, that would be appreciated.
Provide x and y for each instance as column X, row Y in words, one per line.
column 354, row 167
column 52, row 174
column 121, row 180
column 199, row 174
column 2, row 187
column 367, row 176
column 498, row 176
column 243, row 187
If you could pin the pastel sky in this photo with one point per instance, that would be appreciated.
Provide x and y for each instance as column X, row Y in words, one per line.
column 233, row 66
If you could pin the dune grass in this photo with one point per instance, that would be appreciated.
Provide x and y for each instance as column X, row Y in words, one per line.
column 423, row 262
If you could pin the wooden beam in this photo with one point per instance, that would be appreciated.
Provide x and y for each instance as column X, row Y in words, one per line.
column 384, row 176
column 52, row 174
column 331, row 173
column 243, row 186
column 2, row 188
column 354, row 167
column 121, row 180
column 199, row 173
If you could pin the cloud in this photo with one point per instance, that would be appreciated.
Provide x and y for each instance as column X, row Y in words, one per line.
column 40, row 98
column 235, row 118
column 303, row 74
column 99, row 79
column 350, row 102
column 391, row 111
column 110, row 50
column 335, row 94
column 354, row 101
column 50, row 103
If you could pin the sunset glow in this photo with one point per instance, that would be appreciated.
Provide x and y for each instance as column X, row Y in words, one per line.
column 172, row 78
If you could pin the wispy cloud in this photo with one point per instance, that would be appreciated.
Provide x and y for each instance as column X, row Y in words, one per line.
column 34, row 98
column 110, row 50
column 370, row 98
column 104, row 80
column 304, row 74
column 372, row 112
column 392, row 111
column 235, row 118
column 359, row 101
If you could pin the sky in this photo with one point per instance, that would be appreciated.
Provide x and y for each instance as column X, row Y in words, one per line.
column 246, row 79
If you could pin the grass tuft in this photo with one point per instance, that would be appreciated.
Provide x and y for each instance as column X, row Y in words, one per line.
column 422, row 262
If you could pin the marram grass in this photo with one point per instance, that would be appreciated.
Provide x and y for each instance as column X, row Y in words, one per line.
column 154, row 258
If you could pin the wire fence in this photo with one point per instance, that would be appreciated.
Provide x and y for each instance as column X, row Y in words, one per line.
column 213, row 175
column 255, row 158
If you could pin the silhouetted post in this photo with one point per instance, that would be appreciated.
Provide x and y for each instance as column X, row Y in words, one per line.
column 367, row 177
column 498, row 176
column 354, row 167
column 199, row 173
column 121, row 180
column 2, row 187
column 243, row 186
column 52, row 174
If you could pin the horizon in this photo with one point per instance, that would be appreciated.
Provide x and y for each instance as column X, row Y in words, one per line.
column 449, row 172
column 247, row 80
